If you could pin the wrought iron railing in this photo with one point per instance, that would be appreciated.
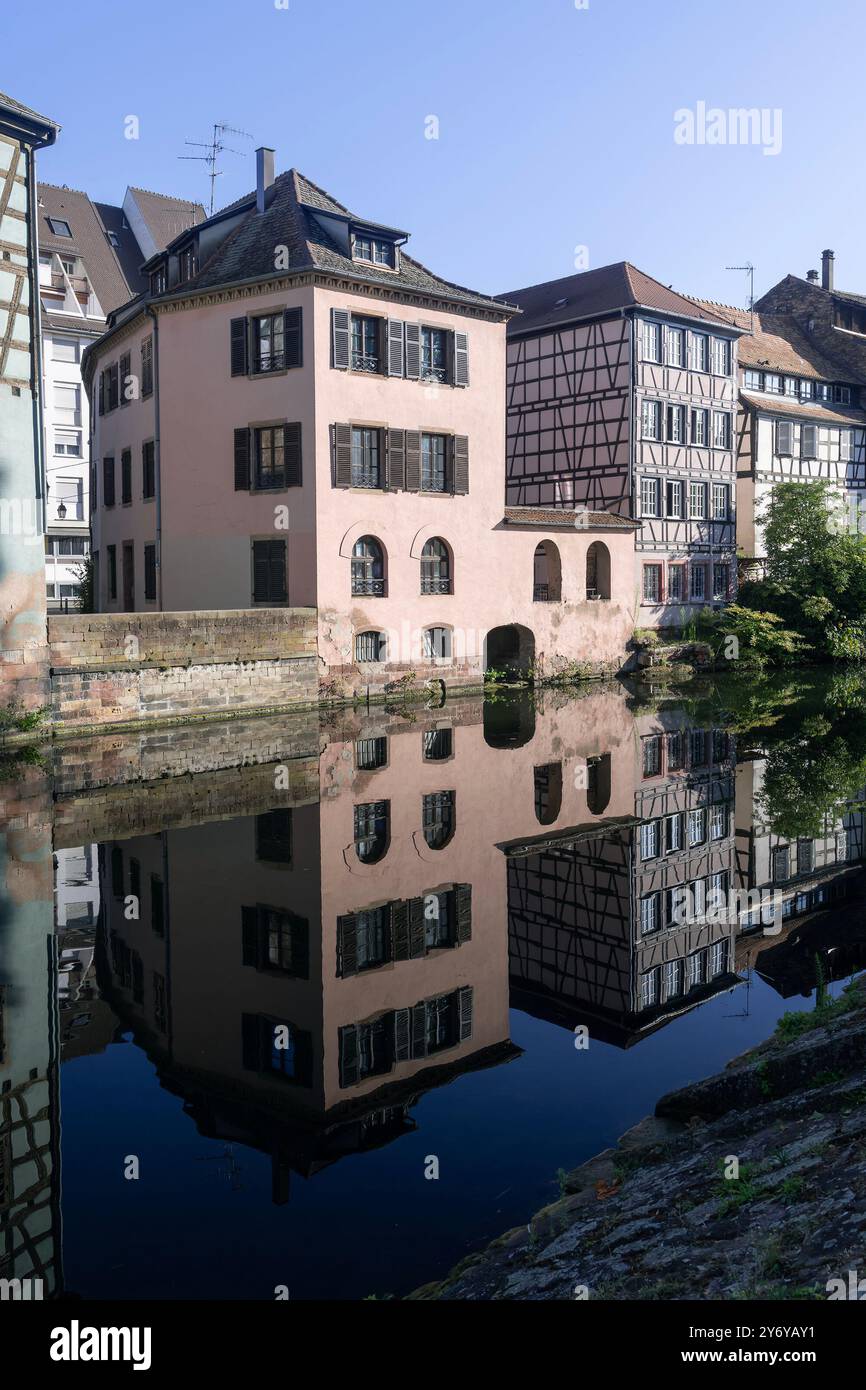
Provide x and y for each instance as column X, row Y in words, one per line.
column 372, row 588
column 365, row 362
column 435, row 586
column 541, row 593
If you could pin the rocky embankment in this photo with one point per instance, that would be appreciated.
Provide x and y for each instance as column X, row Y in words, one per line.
column 657, row 1217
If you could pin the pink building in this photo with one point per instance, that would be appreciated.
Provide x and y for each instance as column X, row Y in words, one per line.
column 299, row 414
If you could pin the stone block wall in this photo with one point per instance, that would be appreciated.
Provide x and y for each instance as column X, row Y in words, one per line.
column 118, row 668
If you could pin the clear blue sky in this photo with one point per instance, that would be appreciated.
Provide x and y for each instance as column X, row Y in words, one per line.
column 556, row 123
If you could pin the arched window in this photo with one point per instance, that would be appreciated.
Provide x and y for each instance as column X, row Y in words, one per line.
column 437, row 644
column 372, row 830
column 546, row 574
column 598, row 783
column 370, row 646
column 435, row 567
column 438, row 818
column 548, row 792
column 368, row 567
column 598, row 571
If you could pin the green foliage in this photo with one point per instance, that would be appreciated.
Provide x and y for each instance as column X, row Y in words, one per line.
column 751, row 636
column 14, row 719
column 816, row 572
column 87, row 590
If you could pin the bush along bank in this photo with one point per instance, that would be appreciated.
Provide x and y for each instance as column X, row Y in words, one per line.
column 748, row 1185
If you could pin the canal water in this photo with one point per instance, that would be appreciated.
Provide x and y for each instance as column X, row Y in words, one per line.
column 327, row 1013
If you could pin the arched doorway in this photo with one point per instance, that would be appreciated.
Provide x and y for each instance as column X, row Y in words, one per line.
column 510, row 648
column 598, row 571
column 546, row 573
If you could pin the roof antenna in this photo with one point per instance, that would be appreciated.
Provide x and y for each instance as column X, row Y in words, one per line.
column 215, row 147
column 750, row 269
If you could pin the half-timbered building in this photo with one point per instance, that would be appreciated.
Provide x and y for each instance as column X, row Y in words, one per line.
column 800, row 417
column 621, row 396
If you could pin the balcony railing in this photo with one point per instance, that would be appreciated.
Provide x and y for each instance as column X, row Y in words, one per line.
column 365, row 362
column 371, row 588
column 435, row 586
column 541, row 593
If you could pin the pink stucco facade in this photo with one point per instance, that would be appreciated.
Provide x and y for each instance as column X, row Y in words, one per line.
column 204, row 529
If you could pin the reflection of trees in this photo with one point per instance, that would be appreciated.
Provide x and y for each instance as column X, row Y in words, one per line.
column 812, row 778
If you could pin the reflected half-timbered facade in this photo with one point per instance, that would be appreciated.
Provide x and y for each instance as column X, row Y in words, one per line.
column 621, row 395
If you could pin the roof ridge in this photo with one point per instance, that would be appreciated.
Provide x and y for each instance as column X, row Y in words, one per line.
column 64, row 188
column 167, row 197
column 298, row 174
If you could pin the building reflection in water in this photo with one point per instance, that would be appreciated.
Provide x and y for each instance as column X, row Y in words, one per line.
column 306, row 946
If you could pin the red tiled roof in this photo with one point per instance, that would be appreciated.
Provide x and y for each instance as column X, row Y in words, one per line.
column 803, row 410
column 575, row 518
column 602, row 291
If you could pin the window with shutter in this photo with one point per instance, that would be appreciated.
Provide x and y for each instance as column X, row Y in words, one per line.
column 464, row 1010
column 413, row 351
column 402, row 1035
column 340, row 339
column 150, row 573
column 417, row 930
column 413, row 460
column 147, row 367
column 108, row 482
column 395, row 347
column 460, row 474
column 126, row 477
column 148, row 470
column 242, row 459
column 395, row 457
column 463, row 894
column 342, row 449
column 294, row 337
column 125, row 381
column 784, row 437
column 269, row 571
column 239, row 342
column 461, row 359
column 348, row 1049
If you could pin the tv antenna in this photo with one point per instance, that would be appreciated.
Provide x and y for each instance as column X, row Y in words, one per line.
column 215, row 147
column 750, row 271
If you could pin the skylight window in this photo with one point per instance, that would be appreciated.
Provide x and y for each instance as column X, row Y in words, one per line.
column 59, row 227
column 113, row 239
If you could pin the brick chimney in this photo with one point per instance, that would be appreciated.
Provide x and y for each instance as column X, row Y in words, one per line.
column 827, row 258
column 265, row 175
column 812, row 277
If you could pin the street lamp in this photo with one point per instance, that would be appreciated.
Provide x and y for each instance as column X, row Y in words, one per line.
column 61, row 511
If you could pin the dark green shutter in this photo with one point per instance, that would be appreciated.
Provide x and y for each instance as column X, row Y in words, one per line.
column 419, row 1030
column 460, row 349
column 303, row 1044
column 464, row 1012
column 239, row 350
column 293, row 337
column 347, row 963
column 242, row 460
column 394, row 339
column 400, row 930
column 348, row 1044
column 342, row 435
column 340, row 339
column 402, row 1037
column 417, row 928
column 463, row 907
column 413, row 351
column 250, row 1034
column 460, row 470
column 395, row 455
column 249, row 936
column 292, row 454
column 413, row 460
column 277, row 571
column 125, row 367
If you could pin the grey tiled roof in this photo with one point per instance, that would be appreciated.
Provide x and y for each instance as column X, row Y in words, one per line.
column 18, row 108
column 249, row 251
column 89, row 241
column 166, row 217
column 555, row 303
column 804, row 410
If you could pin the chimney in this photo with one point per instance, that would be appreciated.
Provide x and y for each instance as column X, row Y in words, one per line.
column 812, row 277
column 264, row 175
column 827, row 258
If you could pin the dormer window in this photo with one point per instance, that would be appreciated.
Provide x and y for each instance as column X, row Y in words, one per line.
column 186, row 263
column 375, row 250
column 157, row 279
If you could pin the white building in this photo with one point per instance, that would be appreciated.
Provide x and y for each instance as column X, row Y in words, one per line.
column 89, row 259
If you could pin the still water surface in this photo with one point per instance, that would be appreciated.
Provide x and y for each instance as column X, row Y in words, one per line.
column 428, row 912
